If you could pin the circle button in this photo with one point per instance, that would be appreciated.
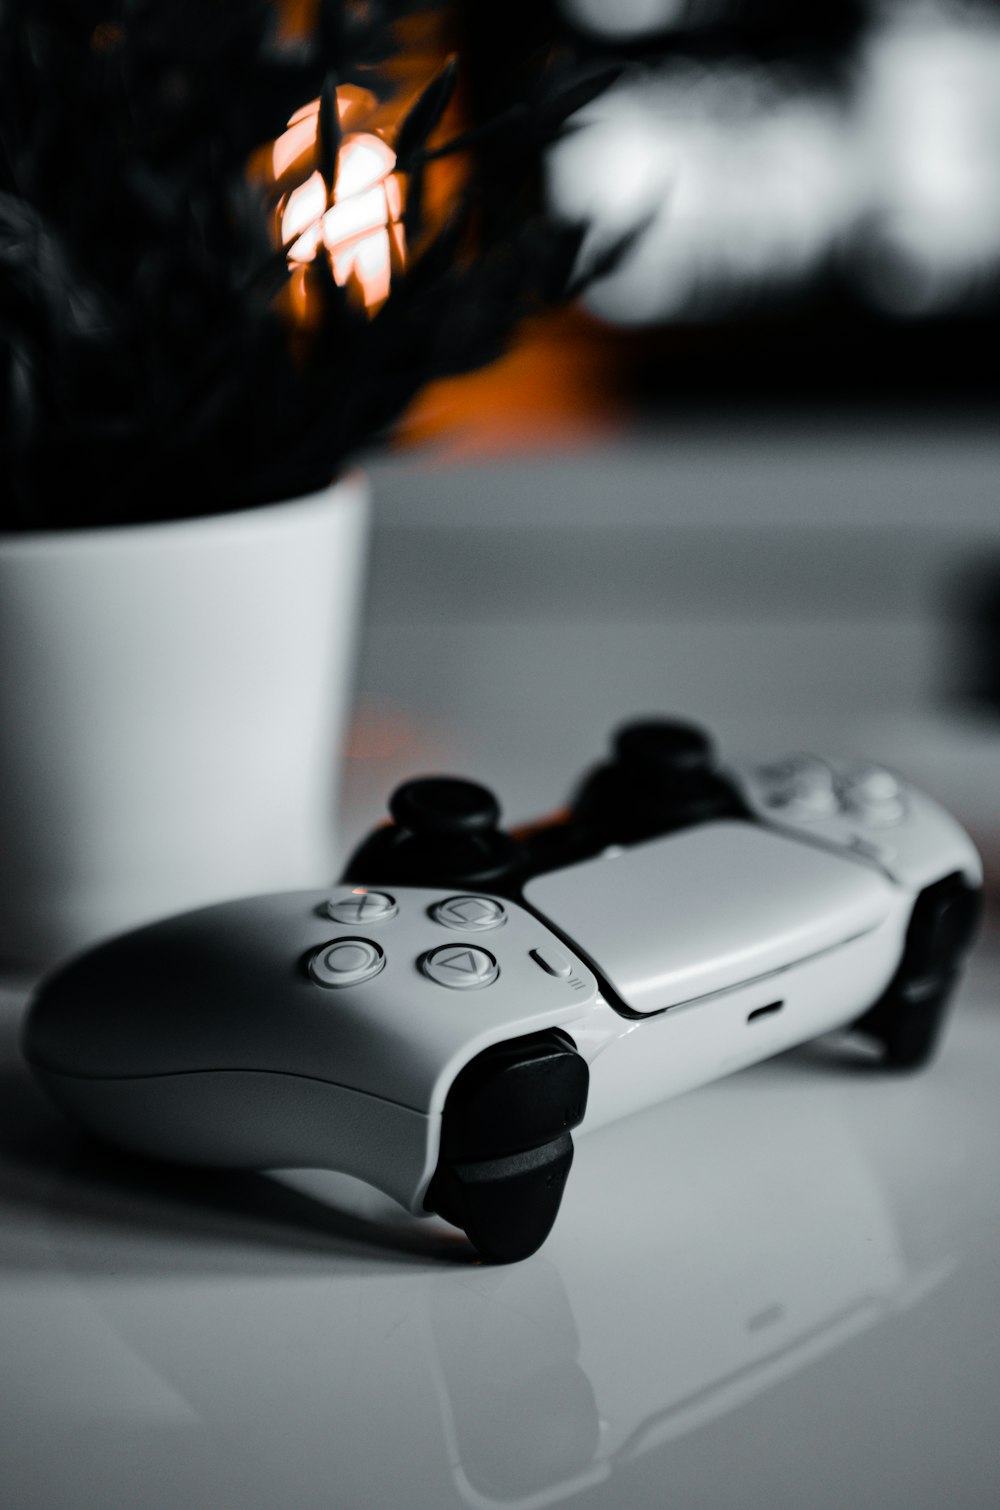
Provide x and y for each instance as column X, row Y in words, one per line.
column 359, row 905
column 460, row 967
column 470, row 914
column 348, row 962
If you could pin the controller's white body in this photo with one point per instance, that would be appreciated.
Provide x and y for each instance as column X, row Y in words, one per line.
column 721, row 922
column 683, row 958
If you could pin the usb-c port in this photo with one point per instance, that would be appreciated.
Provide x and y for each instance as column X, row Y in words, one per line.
column 768, row 1011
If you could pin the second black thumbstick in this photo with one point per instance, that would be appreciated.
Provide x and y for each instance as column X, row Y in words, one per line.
column 662, row 747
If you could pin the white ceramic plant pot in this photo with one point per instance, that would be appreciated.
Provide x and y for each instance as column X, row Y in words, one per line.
column 173, row 701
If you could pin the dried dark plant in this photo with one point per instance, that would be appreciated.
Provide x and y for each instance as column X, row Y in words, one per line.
column 148, row 366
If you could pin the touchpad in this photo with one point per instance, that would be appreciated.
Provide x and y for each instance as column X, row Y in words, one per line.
column 707, row 909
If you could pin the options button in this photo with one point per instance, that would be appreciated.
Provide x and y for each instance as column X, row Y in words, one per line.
column 552, row 962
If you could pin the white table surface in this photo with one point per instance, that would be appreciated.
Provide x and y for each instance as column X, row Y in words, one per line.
column 781, row 1290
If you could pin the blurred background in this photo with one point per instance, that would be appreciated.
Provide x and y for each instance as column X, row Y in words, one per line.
column 753, row 478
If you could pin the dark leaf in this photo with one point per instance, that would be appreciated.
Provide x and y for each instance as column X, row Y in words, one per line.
column 269, row 278
column 425, row 114
column 144, row 346
column 329, row 130
column 609, row 258
column 413, row 213
column 514, row 129
column 576, row 92
column 439, row 258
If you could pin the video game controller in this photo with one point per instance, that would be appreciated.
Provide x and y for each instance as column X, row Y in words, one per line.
column 439, row 1023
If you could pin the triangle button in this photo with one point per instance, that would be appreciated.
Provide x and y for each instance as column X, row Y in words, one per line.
column 466, row 962
column 461, row 969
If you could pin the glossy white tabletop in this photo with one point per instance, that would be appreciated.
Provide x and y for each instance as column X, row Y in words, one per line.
column 782, row 1290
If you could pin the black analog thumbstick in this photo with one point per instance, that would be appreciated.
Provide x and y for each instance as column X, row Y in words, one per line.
column 445, row 806
column 662, row 776
column 662, row 748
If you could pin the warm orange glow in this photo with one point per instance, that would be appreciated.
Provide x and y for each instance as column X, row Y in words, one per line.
column 300, row 216
column 358, row 215
column 561, row 384
column 298, row 297
column 299, row 141
column 394, row 197
column 371, row 263
column 295, row 143
column 364, row 161
column 358, row 227
column 558, row 819
column 353, row 106
column 308, row 112
column 357, row 220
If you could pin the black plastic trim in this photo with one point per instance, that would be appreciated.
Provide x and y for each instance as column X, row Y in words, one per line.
column 505, row 1143
column 908, row 1017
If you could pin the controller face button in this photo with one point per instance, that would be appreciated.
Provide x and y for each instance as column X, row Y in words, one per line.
column 800, row 772
column 870, row 783
column 552, row 962
column 880, row 814
column 873, row 795
column 460, row 967
column 469, row 914
column 361, row 906
column 802, row 803
column 800, row 787
column 347, row 962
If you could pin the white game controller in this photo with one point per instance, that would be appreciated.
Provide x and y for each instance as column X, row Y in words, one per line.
column 433, row 1025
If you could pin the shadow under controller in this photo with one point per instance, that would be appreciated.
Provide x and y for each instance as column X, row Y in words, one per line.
column 441, row 1021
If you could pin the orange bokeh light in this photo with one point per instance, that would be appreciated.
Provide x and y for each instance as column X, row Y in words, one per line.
column 356, row 221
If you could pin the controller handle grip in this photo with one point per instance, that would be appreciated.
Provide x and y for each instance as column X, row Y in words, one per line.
column 506, row 1148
